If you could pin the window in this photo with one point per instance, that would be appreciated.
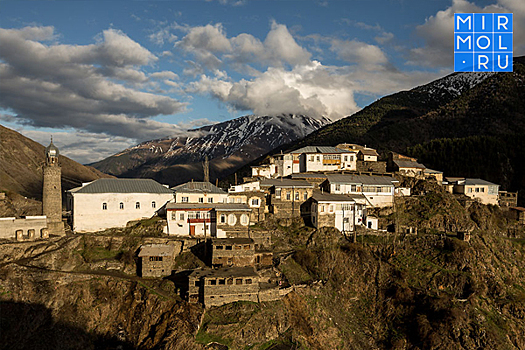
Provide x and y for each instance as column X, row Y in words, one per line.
column 155, row 258
column 246, row 189
column 197, row 283
column 288, row 196
column 153, row 204
column 318, row 158
column 338, row 187
column 181, row 216
column 248, row 281
column 255, row 202
column 351, row 158
column 238, row 247
column 197, row 215
column 223, row 218
column 311, row 158
column 322, row 208
column 239, row 200
column 104, row 206
column 201, row 200
column 121, row 206
column 210, row 200
column 296, row 196
column 213, row 282
column 185, row 199
column 331, row 208
column 229, row 247
column 219, row 247
column 482, row 189
column 353, row 188
column 137, row 205
column 232, row 200
column 247, row 247
column 346, row 158
column 278, row 193
column 232, row 220
column 305, row 196
column 173, row 215
column 222, row 281
column 244, row 219
column 238, row 281
column 229, row 281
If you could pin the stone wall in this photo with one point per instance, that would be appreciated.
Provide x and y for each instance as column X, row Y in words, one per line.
column 52, row 199
column 156, row 266
column 233, row 255
column 373, row 167
column 30, row 228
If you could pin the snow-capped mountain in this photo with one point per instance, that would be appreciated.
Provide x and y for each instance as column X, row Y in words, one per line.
column 228, row 145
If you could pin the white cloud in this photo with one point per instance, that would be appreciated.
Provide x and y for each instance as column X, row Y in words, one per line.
column 74, row 85
column 355, row 51
column 438, row 31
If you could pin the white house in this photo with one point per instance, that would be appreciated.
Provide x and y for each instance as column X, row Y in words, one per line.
column 336, row 210
column 210, row 220
column 106, row 203
column 324, row 158
column 378, row 190
column 199, row 192
column 483, row 191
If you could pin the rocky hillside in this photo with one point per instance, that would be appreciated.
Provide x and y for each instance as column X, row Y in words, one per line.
column 228, row 146
column 21, row 162
column 425, row 291
column 465, row 124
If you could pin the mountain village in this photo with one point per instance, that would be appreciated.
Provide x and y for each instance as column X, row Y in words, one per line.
column 347, row 187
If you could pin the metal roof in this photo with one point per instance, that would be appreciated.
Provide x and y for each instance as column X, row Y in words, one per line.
column 319, row 149
column 369, row 152
column 157, row 250
column 331, row 197
column 198, row 187
column 286, row 183
column 432, row 171
column 361, row 179
column 122, row 186
column 478, row 182
column 308, row 176
column 408, row 164
column 209, row 206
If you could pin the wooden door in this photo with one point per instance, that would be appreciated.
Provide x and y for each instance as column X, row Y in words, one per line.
column 192, row 230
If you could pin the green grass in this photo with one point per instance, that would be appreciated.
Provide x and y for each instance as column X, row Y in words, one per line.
column 92, row 254
column 294, row 272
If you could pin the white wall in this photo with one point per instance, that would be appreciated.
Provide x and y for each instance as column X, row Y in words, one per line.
column 88, row 215
column 375, row 199
column 194, row 197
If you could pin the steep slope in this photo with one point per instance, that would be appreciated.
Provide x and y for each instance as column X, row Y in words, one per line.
column 21, row 161
column 466, row 124
column 227, row 145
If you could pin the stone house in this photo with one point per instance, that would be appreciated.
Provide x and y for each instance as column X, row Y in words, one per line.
column 107, row 203
column 238, row 252
column 480, row 190
column 378, row 190
column 156, row 260
column 215, row 287
column 199, row 192
column 367, row 154
column 251, row 194
column 208, row 220
column 25, row 229
column 287, row 196
column 335, row 210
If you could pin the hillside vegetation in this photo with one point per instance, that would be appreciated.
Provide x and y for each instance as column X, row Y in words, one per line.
column 425, row 291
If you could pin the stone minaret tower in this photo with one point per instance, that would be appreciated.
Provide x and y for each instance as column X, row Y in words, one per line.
column 52, row 191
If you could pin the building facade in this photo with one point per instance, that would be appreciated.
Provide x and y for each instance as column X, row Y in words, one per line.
column 156, row 260
column 378, row 190
column 199, row 192
column 107, row 203
column 336, row 210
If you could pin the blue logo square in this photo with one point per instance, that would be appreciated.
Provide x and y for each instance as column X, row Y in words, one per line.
column 463, row 42
column 483, row 42
column 503, row 22
column 463, row 62
column 503, row 42
column 502, row 62
column 483, row 62
column 463, row 22
column 483, row 22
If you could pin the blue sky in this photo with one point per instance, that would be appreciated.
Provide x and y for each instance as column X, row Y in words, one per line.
column 103, row 75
